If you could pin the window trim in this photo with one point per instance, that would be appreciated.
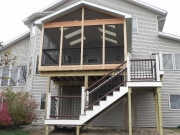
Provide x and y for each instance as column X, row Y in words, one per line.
column 137, row 25
column 170, row 102
column 40, row 101
column 18, row 76
column 173, row 62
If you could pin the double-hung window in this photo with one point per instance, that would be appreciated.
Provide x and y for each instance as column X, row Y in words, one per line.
column 171, row 61
column 174, row 101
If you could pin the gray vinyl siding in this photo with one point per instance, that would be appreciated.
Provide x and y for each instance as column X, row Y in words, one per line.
column 144, row 42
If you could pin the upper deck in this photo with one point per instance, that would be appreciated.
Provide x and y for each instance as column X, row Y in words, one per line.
column 83, row 40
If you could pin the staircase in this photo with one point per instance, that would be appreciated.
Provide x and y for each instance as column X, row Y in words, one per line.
column 99, row 96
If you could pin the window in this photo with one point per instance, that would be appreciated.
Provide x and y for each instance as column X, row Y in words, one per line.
column 5, row 76
column 14, row 76
column 30, row 66
column 134, row 25
column 37, row 64
column 174, row 101
column 171, row 61
column 22, row 76
column 68, row 59
column 43, row 101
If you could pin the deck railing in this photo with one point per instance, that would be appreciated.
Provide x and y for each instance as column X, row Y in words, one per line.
column 143, row 69
column 65, row 107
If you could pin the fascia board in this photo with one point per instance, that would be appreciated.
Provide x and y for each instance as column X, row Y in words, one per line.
column 76, row 6
column 169, row 36
column 148, row 6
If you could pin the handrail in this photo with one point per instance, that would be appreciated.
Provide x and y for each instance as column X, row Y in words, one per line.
column 105, row 76
column 107, row 81
column 142, row 59
column 65, row 96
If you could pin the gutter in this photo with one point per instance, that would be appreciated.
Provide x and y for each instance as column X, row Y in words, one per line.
column 169, row 36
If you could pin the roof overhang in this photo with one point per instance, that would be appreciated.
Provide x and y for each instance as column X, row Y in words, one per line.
column 27, row 21
column 13, row 41
column 169, row 36
column 78, row 5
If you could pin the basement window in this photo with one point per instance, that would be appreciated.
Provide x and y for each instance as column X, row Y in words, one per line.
column 134, row 25
column 174, row 101
column 43, row 101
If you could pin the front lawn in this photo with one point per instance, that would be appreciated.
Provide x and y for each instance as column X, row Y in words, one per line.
column 5, row 132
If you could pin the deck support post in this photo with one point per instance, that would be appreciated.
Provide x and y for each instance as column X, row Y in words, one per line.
column 77, row 130
column 129, row 110
column 156, row 109
column 47, row 130
column 159, row 110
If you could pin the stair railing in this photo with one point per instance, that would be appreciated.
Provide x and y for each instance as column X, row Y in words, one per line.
column 106, row 85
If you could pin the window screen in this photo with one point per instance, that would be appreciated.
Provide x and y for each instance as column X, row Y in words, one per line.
column 43, row 100
column 5, row 76
column 167, row 61
column 14, row 74
column 22, row 76
column 175, row 101
column 177, row 61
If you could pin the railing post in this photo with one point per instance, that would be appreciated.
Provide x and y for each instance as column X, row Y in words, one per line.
column 160, row 61
column 48, row 106
column 157, row 68
column 82, row 99
column 87, row 98
column 128, row 68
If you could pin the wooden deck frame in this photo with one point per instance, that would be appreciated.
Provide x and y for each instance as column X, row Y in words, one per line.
column 81, row 23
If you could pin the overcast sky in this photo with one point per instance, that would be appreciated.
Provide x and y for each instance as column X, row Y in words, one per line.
column 12, row 12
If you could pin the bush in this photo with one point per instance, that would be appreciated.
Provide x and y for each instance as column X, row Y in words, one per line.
column 21, row 106
column 5, row 118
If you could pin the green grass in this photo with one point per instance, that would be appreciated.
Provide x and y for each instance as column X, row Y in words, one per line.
column 4, row 132
column 175, row 130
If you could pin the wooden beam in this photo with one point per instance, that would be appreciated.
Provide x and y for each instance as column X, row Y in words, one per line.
column 71, row 82
column 103, row 46
column 85, row 23
column 47, row 130
column 41, row 46
column 78, row 67
column 160, row 110
column 125, row 40
column 61, row 45
column 129, row 110
column 71, row 73
column 82, row 37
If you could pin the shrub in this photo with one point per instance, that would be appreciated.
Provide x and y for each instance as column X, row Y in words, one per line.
column 5, row 118
column 22, row 107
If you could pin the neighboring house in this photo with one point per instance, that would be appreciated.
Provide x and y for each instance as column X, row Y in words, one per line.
column 74, row 43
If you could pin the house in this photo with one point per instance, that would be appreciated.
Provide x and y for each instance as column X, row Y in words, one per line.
column 100, row 63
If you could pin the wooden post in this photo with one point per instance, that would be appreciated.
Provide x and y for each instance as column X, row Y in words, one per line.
column 47, row 91
column 156, row 109
column 157, row 68
column 135, row 110
column 129, row 110
column 61, row 46
column 59, row 94
column 41, row 47
column 47, row 130
column 125, row 40
column 77, row 130
column 82, row 36
column 159, row 110
column 128, row 68
column 86, row 86
column 103, row 46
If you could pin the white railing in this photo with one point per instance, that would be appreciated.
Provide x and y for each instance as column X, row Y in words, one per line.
column 48, row 106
